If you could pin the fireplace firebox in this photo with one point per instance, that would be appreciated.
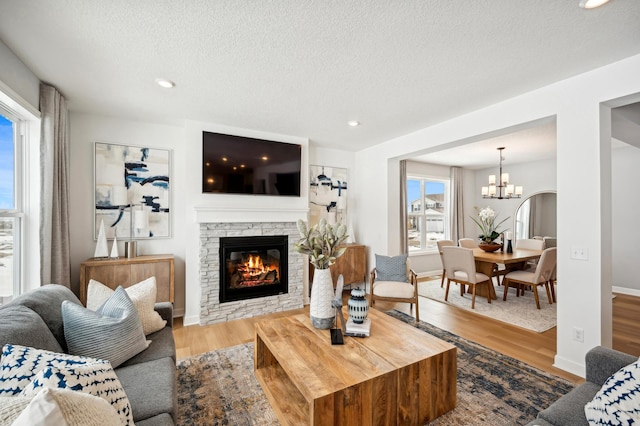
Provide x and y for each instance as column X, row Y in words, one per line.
column 252, row 267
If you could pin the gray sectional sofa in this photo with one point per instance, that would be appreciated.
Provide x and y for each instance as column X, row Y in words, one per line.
column 149, row 378
column 601, row 363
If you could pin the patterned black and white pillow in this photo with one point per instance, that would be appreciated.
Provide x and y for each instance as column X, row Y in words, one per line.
column 24, row 371
column 618, row 401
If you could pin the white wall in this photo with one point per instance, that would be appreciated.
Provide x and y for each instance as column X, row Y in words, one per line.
column 626, row 206
column 17, row 81
column 185, row 144
column 583, row 173
column 87, row 129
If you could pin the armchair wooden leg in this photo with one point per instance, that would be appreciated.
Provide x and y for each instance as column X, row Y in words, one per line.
column 553, row 292
column 446, row 292
column 443, row 276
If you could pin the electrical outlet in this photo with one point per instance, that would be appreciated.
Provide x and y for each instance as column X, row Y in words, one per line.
column 579, row 253
column 578, row 334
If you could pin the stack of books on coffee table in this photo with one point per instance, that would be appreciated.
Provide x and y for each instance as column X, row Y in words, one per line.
column 358, row 330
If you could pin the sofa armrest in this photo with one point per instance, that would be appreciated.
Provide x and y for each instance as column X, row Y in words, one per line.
column 165, row 309
column 602, row 362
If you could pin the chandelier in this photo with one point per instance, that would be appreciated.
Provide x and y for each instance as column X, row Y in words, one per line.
column 496, row 190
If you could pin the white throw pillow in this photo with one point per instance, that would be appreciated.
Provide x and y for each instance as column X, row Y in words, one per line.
column 618, row 401
column 62, row 407
column 143, row 296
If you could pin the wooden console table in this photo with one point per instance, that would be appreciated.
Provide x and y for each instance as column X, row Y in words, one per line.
column 127, row 272
column 352, row 265
column 400, row 375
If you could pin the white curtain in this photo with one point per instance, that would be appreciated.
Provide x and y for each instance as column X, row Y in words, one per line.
column 55, row 265
column 404, row 241
column 457, row 207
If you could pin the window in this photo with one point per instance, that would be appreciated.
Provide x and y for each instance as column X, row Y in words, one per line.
column 11, row 206
column 427, row 212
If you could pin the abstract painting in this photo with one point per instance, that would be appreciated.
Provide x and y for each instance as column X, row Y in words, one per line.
column 132, row 177
column 328, row 194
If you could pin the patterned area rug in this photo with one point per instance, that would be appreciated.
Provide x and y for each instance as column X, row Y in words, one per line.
column 219, row 388
column 520, row 311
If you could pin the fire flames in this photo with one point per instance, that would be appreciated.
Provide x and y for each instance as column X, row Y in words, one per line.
column 254, row 272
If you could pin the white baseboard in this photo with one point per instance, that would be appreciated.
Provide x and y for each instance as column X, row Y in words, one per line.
column 570, row 366
column 178, row 313
column 192, row 320
column 624, row 290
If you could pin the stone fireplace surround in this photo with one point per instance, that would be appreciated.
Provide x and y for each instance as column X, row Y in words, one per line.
column 216, row 223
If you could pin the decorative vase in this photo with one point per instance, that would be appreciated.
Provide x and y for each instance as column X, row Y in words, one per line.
column 489, row 247
column 321, row 312
column 358, row 306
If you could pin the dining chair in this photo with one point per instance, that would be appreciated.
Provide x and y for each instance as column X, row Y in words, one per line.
column 461, row 269
column 530, row 244
column 467, row 243
column 395, row 286
column 444, row 243
column 471, row 243
column 541, row 275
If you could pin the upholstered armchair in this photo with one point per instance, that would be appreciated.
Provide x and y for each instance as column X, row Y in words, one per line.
column 393, row 280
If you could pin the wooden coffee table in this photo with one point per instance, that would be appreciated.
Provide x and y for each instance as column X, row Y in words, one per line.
column 398, row 375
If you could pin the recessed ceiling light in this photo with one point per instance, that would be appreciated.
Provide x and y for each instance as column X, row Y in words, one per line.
column 592, row 4
column 163, row 82
column 353, row 123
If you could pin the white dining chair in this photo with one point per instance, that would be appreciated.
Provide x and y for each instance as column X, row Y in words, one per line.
column 530, row 244
column 461, row 269
column 467, row 243
column 441, row 244
column 541, row 275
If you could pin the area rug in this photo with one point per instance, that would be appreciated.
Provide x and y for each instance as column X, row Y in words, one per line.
column 219, row 388
column 520, row 311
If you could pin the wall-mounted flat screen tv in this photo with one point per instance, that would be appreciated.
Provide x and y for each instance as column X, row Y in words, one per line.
column 241, row 165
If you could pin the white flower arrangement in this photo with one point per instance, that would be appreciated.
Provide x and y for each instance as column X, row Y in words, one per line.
column 486, row 222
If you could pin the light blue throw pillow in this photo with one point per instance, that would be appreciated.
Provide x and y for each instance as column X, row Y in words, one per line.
column 391, row 268
column 618, row 401
column 113, row 332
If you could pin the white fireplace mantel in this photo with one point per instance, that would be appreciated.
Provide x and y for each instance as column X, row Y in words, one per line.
column 212, row 214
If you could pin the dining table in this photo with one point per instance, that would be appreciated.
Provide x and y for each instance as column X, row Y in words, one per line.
column 486, row 261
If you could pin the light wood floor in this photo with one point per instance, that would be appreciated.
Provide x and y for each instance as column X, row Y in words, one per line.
column 536, row 349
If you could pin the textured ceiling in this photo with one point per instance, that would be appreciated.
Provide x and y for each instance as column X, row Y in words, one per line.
column 304, row 68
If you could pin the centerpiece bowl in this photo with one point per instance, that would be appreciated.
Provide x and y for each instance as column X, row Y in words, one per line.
column 489, row 247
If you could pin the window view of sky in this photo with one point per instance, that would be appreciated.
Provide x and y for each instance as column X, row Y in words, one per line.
column 6, row 164
column 413, row 190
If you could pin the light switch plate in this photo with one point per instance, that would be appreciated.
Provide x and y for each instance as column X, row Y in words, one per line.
column 579, row 253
